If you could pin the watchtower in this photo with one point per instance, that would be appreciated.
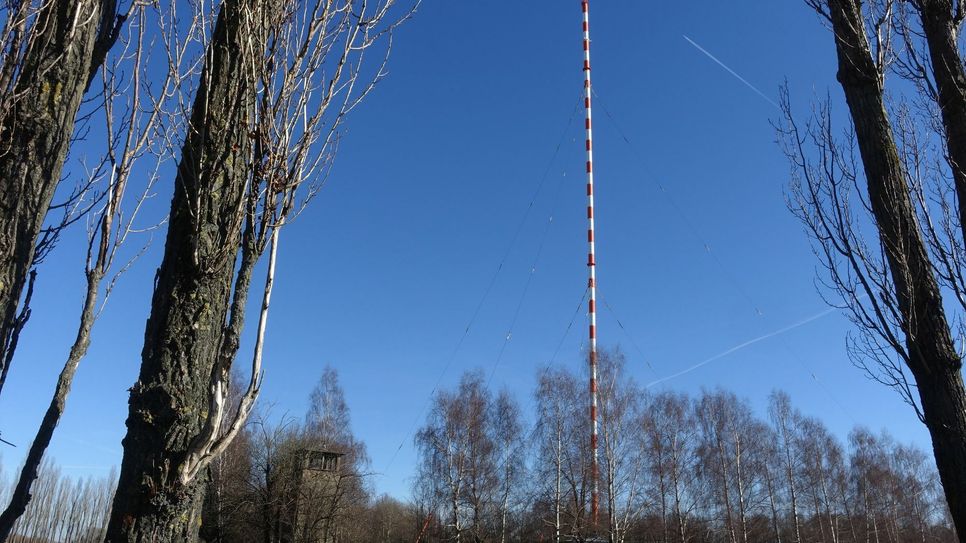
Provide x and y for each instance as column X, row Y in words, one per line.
column 317, row 489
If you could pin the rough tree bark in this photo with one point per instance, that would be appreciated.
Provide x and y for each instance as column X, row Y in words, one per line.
column 940, row 25
column 932, row 358
column 62, row 50
column 193, row 289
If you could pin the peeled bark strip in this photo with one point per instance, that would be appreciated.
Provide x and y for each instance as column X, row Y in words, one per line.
column 183, row 338
column 35, row 132
column 932, row 357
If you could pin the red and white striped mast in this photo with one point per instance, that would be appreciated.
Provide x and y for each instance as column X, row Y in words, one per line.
column 592, row 279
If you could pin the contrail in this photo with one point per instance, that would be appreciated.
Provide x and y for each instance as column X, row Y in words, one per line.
column 732, row 72
column 741, row 346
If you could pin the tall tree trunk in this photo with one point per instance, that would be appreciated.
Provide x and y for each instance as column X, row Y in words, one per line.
column 776, row 525
column 932, row 357
column 940, row 30
column 67, row 42
column 725, row 493
column 739, row 477
column 557, row 498
column 676, row 475
column 790, row 475
column 662, row 485
column 848, row 514
column 183, row 337
column 832, row 522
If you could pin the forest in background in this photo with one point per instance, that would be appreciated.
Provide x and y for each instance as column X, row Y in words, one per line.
column 675, row 469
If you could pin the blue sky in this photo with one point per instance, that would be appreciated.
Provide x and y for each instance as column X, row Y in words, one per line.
column 380, row 277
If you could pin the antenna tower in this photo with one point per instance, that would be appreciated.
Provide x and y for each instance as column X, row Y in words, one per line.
column 592, row 278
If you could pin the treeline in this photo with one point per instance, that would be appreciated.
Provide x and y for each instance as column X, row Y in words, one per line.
column 673, row 468
column 64, row 508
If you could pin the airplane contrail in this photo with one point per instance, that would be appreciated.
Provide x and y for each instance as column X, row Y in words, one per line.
column 732, row 72
column 741, row 346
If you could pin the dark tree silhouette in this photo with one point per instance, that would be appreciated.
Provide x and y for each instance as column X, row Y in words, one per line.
column 893, row 286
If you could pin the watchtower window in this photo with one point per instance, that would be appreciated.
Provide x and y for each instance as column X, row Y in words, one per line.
column 324, row 461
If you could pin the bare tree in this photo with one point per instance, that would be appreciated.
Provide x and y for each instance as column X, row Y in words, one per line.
column 893, row 286
column 391, row 521
column 65, row 508
column 470, row 466
column 50, row 52
column 132, row 122
column 623, row 463
column 785, row 421
column 563, row 458
column 443, row 445
column 669, row 439
column 507, row 435
column 273, row 480
column 556, row 409
column 729, row 438
column 277, row 81
column 821, row 462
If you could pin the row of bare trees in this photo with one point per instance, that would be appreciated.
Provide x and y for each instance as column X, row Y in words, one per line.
column 471, row 469
column 674, row 468
column 64, row 508
column 232, row 109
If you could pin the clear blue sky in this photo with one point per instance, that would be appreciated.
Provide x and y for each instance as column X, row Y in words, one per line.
column 381, row 276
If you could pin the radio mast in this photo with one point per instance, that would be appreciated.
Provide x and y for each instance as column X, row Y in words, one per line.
column 592, row 276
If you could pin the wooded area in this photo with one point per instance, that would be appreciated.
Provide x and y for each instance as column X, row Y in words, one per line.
column 675, row 469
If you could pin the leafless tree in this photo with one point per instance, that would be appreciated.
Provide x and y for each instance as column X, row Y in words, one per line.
column 785, row 421
column 471, row 446
column 883, row 204
column 64, row 508
column 445, row 445
column 277, row 80
column 132, row 123
column 730, row 435
column 562, row 456
column 821, row 462
column 669, row 440
column 507, row 432
column 391, row 521
column 554, row 409
column 623, row 463
column 51, row 50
